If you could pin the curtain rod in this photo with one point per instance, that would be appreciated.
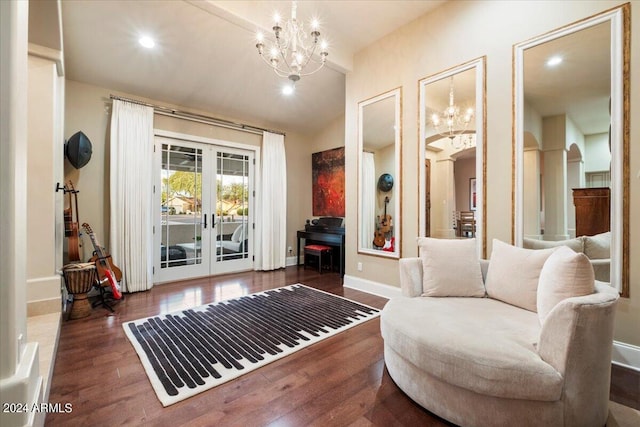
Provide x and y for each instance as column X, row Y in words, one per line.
column 172, row 112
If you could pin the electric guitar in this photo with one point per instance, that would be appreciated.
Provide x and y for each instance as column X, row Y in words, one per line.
column 105, row 271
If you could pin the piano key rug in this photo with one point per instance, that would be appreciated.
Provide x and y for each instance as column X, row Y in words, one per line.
column 188, row 352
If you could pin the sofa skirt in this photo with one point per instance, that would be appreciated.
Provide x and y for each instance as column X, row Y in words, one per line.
column 464, row 407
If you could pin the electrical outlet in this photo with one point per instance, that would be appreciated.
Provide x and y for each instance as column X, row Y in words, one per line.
column 359, row 266
column 290, row 249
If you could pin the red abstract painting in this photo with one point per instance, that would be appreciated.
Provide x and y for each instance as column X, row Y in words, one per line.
column 328, row 182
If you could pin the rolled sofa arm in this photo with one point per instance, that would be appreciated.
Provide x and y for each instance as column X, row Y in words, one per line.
column 577, row 340
column 411, row 277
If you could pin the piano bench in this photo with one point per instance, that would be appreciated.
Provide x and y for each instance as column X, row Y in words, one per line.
column 318, row 251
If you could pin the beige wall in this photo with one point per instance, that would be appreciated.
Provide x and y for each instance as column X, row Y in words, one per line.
column 453, row 34
column 299, row 149
column 88, row 110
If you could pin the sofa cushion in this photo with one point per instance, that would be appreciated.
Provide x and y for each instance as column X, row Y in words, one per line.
column 565, row 274
column 513, row 274
column 576, row 244
column 451, row 268
column 480, row 344
column 598, row 246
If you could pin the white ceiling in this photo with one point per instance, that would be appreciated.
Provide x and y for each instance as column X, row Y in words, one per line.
column 205, row 57
column 580, row 86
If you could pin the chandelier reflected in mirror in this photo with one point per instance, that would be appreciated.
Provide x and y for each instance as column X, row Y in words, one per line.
column 292, row 53
column 452, row 123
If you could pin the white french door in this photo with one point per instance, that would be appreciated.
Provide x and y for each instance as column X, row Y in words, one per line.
column 204, row 209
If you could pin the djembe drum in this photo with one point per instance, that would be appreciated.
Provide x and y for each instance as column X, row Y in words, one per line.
column 79, row 278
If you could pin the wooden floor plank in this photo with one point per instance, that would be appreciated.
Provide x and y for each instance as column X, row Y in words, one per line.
column 338, row 381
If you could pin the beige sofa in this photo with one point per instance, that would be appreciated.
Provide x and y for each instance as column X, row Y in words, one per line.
column 597, row 248
column 479, row 361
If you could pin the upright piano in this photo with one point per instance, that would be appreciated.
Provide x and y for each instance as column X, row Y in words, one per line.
column 327, row 231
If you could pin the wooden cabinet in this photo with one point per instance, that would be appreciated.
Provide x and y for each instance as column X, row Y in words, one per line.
column 593, row 207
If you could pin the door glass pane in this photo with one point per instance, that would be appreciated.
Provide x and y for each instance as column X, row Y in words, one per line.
column 181, row 209
column 232, row 206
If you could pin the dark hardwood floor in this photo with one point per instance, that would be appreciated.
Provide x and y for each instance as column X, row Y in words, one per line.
column 340, row 381
column 625, row 386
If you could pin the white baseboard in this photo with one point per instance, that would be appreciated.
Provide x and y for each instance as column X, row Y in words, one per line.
column 626, row 355
column 371, row 287
column 291, row 260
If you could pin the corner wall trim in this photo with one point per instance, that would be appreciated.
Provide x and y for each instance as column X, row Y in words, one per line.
column 371, row 287
column 24, row 387
column 626, row 355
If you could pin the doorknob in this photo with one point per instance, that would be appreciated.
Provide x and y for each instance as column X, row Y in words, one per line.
column 205, row 221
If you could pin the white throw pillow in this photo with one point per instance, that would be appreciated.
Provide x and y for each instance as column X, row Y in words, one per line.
column 451, row 268
column 565, row 274
column 513, row 274
column 598, row 246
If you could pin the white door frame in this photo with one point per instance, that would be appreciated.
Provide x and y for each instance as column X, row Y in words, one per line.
column 181, row 273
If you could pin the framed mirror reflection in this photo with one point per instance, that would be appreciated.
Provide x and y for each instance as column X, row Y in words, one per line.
column 571, row 131
column 452, row 181
column 379, row 183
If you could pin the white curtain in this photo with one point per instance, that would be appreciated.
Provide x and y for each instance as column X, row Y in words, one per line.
column 368, row 219
column 132, row 194
column 271, row 221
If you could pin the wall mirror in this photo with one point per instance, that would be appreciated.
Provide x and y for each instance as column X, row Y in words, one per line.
column 379, row 185
column 571, row 142
column 452, row 176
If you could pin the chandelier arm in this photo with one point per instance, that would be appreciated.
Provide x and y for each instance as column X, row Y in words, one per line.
column 309, row 55
column 283, row 49
column 277, row 70
column 312, row 72
column 284, row 60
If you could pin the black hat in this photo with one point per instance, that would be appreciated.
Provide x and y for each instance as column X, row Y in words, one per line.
column 78, row 150
column 385, row 182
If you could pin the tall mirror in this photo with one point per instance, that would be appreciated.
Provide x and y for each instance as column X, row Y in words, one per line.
column 571, row 142
column 379, row 175
column 452, row 176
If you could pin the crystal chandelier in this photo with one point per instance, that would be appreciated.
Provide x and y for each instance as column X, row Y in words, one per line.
column 293, row 49
column 451, row 123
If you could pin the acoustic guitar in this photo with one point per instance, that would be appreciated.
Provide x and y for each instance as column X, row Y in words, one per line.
column 71, row 227
column 384, row 226
column 385, row 221
column 378, row 238
column 104, row 265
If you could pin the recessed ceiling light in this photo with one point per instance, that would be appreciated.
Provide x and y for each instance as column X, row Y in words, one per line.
column 288, row 89
column 554, row 60
column 147, row 42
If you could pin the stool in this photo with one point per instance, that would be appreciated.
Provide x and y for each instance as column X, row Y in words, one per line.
column 318, row 251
